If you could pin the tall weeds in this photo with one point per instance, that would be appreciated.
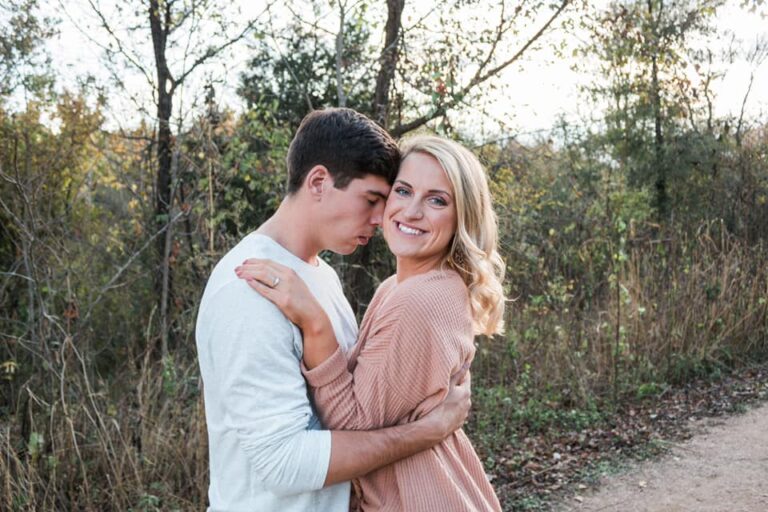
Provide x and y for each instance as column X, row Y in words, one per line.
column 676, row 307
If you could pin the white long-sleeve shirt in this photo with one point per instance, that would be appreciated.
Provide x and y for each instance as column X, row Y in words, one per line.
column 267, row 451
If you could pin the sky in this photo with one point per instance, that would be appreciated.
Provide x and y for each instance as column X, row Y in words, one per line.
column 535, row 94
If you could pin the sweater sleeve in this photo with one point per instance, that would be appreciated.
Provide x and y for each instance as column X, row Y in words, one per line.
column 416, row 342
column 250, row 348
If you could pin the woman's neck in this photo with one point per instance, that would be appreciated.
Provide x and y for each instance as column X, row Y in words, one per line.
column 407, row 267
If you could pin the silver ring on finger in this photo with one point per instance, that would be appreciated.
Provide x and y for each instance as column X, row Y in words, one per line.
column 275, row 281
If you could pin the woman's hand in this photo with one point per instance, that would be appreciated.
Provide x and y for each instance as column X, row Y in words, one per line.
column 285, row 289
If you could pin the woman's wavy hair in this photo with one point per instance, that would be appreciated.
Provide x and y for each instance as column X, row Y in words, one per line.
column 473, row 252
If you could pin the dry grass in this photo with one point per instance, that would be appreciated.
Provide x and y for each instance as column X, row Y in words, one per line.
column 136, row 440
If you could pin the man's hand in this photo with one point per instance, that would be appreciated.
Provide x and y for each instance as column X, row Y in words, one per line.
column 356, row 453
column 451, row 414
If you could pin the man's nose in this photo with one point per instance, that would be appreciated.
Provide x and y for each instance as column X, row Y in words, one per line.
column 377, row 217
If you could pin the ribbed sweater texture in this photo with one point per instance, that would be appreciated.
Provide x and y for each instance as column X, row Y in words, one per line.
column 415, row 335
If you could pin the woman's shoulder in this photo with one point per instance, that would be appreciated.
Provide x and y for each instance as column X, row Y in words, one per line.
column 441, row 289
column 383, row 289
column 443, row 279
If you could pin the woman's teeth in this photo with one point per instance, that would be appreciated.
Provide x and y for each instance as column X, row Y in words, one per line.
column 409, row 231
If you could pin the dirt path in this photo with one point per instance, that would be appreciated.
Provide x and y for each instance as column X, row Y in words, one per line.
column 724, row 467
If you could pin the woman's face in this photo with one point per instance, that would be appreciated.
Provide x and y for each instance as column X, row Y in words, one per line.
column 420, row 215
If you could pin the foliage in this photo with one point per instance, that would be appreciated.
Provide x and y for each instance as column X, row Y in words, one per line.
column 23, row 63
column 614, row 297
column 301, row 77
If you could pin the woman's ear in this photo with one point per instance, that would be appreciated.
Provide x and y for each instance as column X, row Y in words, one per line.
column 318, row 180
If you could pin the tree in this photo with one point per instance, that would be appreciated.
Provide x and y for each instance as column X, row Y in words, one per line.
column 24, row 75
column 445, row 57
column 388, row 61
column 452, row 55
column 644, row 50
column 23, row 64
column 185, row 36
column 303, row 65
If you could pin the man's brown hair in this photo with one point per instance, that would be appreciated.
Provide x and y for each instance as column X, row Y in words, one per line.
column 345, row 142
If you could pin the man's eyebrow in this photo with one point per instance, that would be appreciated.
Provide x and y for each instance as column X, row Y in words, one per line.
column 377, row 193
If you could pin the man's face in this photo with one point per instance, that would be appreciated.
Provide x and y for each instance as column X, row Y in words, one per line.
column 352, row 215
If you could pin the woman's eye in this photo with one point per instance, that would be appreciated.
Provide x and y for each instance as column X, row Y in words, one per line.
column 438, row 201
column 401, row 191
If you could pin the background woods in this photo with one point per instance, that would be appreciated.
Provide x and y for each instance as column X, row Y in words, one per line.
column 634, row 237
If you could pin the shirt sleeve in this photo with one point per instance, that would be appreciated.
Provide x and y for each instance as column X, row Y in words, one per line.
column 403, row 370
column 253, row 352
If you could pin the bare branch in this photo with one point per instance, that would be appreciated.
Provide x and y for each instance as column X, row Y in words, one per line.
column 288, row 66
column 126, row 265
column 478, row 78
column 341, row 97
column 756, row 56
column 132, row 60
column 314, row 26
column 212, row 52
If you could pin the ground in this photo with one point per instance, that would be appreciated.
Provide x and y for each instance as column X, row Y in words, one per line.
column 699, row 446
column 723, row 467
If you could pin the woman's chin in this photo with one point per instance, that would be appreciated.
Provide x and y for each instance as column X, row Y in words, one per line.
column 399, row 251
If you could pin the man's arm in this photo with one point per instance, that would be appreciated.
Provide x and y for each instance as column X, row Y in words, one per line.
column 264, row 393
column 252, row 370
column 357, row 453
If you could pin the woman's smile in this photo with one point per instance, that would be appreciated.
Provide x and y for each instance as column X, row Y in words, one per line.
column 409, row 230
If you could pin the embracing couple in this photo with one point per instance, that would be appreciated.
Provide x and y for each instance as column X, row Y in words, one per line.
column 298, row 401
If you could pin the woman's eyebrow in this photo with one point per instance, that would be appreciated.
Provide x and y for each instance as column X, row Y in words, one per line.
column 438, row 191
column 431, row 191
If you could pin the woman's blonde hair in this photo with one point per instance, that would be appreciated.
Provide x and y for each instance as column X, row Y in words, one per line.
column 473, row 252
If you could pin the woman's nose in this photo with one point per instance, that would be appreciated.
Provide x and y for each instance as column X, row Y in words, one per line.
column 413, row 210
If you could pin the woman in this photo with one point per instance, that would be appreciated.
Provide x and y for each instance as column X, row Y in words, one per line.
column 417, row 331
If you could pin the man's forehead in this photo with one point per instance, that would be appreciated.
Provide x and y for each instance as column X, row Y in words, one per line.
column 372, row 184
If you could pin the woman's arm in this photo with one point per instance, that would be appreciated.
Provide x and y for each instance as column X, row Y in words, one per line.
column 404, row 366
column 414, row 347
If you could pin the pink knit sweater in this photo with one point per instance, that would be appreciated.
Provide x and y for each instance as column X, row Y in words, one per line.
column 414, row 336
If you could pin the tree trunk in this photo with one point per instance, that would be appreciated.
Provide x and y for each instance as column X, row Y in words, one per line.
column 359, row 281
column 341, row 96
column 388, row 61
column 159, row 25
column 662, row 201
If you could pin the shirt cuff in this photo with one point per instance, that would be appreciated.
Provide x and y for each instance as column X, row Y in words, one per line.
column 327, row 371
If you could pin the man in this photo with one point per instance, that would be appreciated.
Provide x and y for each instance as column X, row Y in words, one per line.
column 267, row 450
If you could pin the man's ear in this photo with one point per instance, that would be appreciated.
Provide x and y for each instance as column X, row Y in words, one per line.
column 318, row 180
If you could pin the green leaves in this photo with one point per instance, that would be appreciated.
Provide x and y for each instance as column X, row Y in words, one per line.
column 35, row 445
